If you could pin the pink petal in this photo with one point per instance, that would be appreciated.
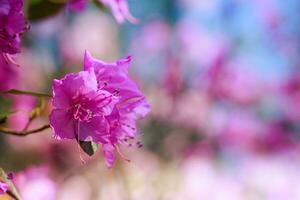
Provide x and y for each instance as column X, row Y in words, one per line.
column 62, row 124
column 109, row 154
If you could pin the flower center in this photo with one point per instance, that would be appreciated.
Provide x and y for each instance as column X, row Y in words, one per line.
column 82, row 114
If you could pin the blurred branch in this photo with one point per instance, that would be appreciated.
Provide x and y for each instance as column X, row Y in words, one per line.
column 35, row 113
column 20, row 92
column 12, row 190
column 23, row 133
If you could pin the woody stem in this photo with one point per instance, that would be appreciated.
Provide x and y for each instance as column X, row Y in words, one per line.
column 23, row 133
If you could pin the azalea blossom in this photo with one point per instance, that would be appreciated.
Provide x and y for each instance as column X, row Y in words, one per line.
column 99, row 104
column 3, row 188
column 12, row 24
column 77, row 5
column 113, row 77
column 120, row 10
column 80, row 108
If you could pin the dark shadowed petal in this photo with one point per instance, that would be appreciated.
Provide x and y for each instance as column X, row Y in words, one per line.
column 62, row 124
column 95, row 130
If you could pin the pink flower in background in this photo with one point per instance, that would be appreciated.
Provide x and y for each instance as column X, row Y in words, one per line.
column 12, row 24
column 291, row 97
column 173, row 81
column 3, row 188
column 120, row 10
column 100, row 104
column 35, row 184
column 23, row 105
column 227, row 81
column 77, row 5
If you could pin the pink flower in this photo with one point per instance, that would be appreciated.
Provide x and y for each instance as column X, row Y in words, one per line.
column 291, row 97
column 77, row 5
column 100, row 104
column 12, row 24
column 80, row 108
column 120, row 10
column 3, row 188
column 35, row 184
column 131, row 105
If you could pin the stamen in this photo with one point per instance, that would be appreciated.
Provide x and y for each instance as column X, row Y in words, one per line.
column 128, row 126
column 122, row 156
column 8, row 59
column 139, row 144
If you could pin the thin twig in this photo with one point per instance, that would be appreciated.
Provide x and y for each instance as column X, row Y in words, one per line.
column 23, row 92
column 27, row 124
column 23, row 133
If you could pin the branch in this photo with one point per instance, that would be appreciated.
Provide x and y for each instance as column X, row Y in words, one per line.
column 22, row 92
column 23, row 133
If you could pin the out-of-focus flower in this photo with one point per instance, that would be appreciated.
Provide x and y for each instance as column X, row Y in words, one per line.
column 100, row 104
column 291, row 97
column 228, row 81
column 153, row 40
column 154, row 37
column 278, row 138
column 77, row 5
column 199, row 46
column 35, row 184
column 240, row 131
column 12, row 24
column 86, row 33
column 173, row 79
column 23, row 105
column 3, row 188
column 120, row 10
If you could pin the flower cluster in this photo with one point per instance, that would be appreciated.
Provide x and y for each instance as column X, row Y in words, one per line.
column 12, row 24
column 100, row 104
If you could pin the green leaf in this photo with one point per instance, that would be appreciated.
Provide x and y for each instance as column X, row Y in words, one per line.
column 4, row 115
column 39, row 10
column 5, row 109
column 12, row 191
column 20, row 92
column 89, row 148
column 5, row 104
